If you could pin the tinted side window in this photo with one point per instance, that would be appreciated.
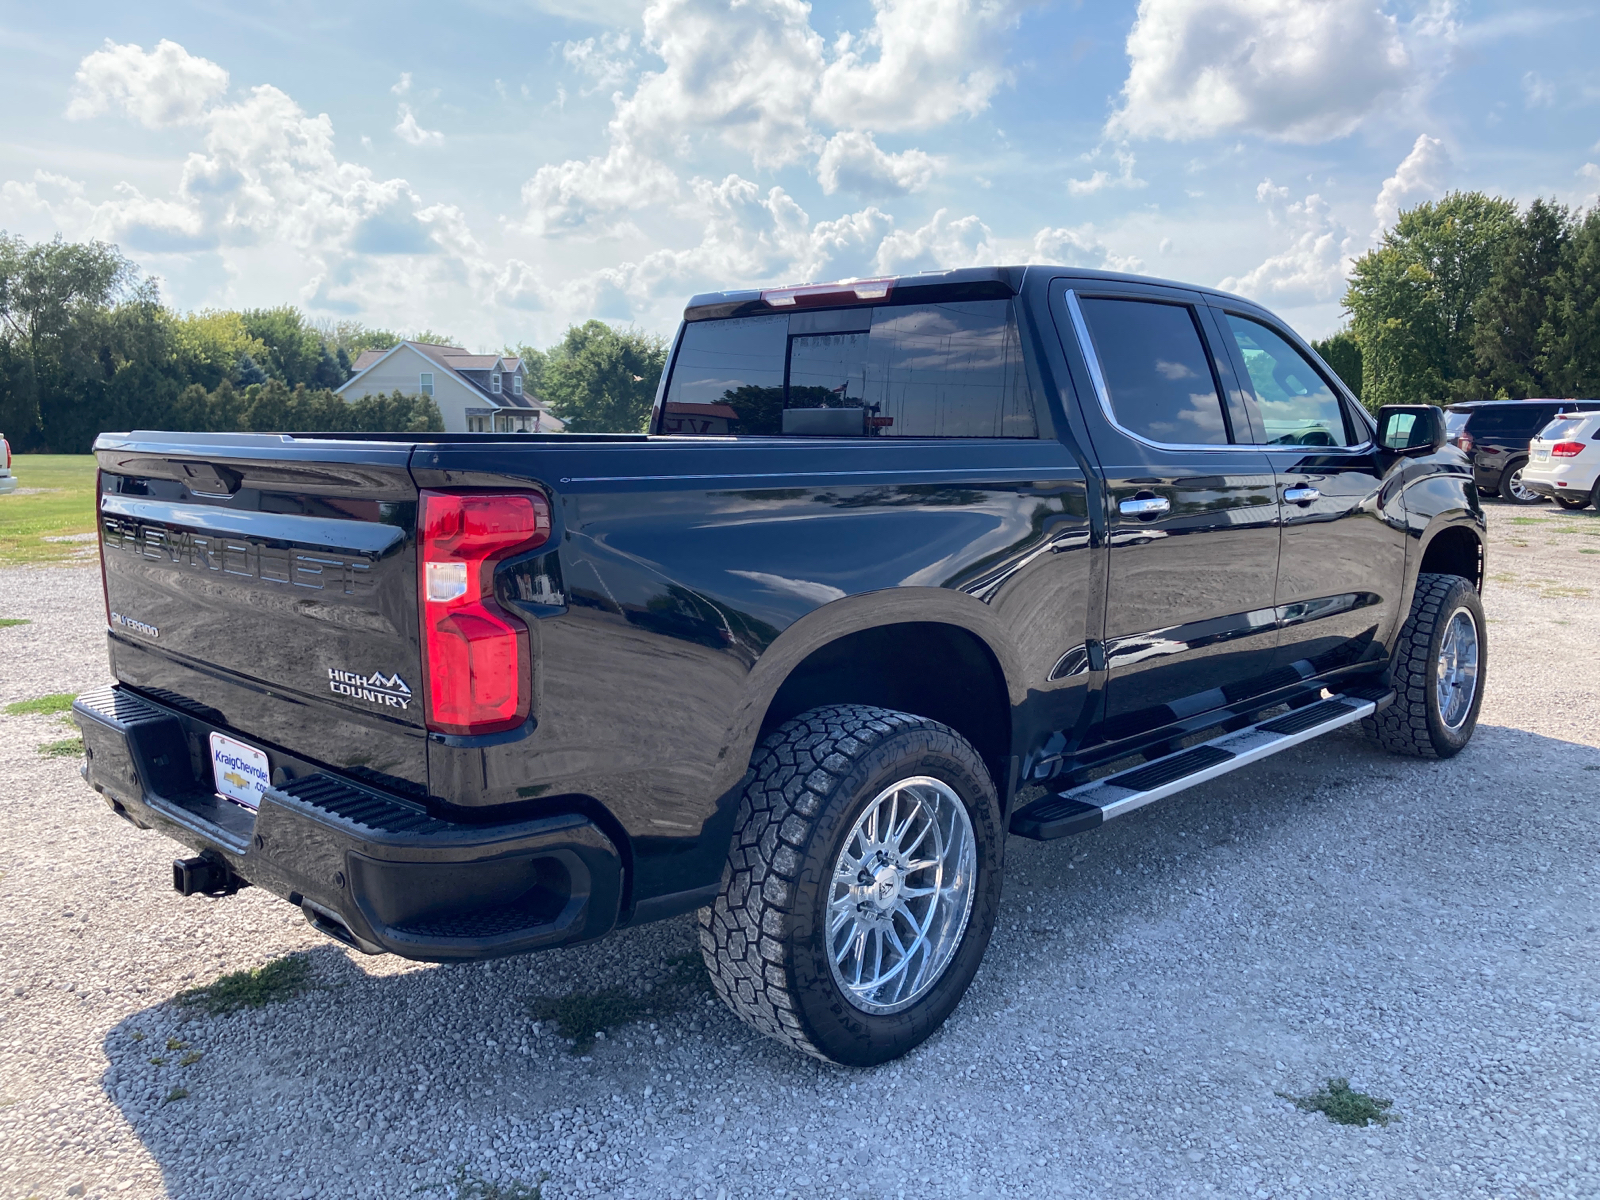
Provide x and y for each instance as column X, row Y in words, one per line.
column 1298, row 408
column 1511, row 420
column 1156, row 371
column 932, row 370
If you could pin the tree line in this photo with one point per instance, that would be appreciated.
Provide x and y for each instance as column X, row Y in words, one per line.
column 1469, row 297
column 1473, row 298
column 86, row 346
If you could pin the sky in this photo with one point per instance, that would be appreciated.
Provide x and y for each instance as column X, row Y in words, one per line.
column 495, row 170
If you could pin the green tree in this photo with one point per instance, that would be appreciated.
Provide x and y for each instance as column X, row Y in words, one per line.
column 293, row 348
column 1569, row 358
column 59, row 348
column 603, row 380
column 535, row 363
column 1512, row 317
column 1412, row 299
column 1343, row 353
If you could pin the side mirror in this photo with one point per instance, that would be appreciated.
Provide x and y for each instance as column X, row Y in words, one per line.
column 1411, row 429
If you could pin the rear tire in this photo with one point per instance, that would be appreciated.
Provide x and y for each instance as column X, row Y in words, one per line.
column 1438, row 672
column 1573, row 503
column 808, row 869
column 1511, row 486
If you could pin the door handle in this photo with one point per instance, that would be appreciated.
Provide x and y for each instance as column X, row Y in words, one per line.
column 1145, row 506
column 1301, row 495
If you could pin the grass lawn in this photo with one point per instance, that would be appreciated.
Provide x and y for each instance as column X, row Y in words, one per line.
column 63, row 506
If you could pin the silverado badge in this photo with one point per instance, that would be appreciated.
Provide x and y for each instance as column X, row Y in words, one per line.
column 388, row 690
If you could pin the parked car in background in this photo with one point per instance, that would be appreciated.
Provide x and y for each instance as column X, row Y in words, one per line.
column 8, row 481
column 1564, row 461
column 1495, row 435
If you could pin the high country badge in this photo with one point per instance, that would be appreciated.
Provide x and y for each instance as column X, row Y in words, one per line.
column 388, row 690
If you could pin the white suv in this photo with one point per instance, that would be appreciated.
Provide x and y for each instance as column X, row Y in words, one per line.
column 8, row 481
column 1564, row 461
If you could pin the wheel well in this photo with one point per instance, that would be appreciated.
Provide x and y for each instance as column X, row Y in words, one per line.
column 1455, row 551
column 937, row 671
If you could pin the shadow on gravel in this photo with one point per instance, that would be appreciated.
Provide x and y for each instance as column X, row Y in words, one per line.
column 388, row 1079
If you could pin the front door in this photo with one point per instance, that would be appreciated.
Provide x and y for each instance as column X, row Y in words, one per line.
column 1342, row 564
column 1192, row 516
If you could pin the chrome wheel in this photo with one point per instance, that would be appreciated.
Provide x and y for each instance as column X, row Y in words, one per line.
column 1519, row 492
column 902, row 893
column 1456, row 673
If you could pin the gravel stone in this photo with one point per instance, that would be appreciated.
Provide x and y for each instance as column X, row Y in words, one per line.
column 1426, row 929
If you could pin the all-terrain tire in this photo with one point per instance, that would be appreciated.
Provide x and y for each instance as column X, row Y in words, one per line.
column 1413, row 724
column 765, row 938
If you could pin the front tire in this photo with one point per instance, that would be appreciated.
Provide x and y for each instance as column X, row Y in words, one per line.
column 1438, row 672
column 861, row 886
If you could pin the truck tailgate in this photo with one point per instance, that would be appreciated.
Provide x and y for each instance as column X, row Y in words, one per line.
column 268, row 585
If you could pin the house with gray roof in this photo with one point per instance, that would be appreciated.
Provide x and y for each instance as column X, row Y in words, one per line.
column 476, row 393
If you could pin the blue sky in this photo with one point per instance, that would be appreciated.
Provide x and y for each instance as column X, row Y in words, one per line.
column 497, row 169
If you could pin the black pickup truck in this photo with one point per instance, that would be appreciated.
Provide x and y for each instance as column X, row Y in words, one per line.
column 903, row 565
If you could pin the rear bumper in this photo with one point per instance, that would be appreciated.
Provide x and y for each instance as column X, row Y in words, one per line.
column 375, row 871
column 8, row 482
column 1555, row 478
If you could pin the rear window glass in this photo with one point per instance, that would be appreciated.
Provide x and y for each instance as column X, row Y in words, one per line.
column 1511, row 420
column 1455, row 420
column 1565, row 429
column 930, row 370
column 1156, row 371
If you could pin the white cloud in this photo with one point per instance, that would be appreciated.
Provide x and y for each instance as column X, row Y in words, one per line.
column 944, row 243
column 1078, row 246
column 921, row 64
column 1590, row 174
column 1420, row 176
column 563, row 197
column 167, row 86
column 605, row 59
column 1537, row 91
column 754, row 76
column 1100, row 180
column 1312, row 266
column 404, row 85
column 852, row 161
column 410, row 131
column 745, row 72
column 1295, row 70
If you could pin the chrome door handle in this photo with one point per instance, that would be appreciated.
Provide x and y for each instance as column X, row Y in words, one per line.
column 1146, row 506
column 1301, row 495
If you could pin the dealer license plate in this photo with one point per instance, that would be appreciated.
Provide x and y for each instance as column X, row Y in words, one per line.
column 241, row 772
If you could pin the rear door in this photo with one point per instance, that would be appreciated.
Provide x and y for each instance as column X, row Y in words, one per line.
column 268, row 585
column 1192, row 514
column 1342, row 563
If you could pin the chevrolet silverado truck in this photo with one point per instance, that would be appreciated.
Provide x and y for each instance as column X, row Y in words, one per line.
column 903, row 565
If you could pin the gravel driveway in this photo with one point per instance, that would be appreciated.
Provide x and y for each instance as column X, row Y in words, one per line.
column 1427, row 930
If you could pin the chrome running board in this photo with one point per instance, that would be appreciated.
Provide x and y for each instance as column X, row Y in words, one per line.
column 1082, row 808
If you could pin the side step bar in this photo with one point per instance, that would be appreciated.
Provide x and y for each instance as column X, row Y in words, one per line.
column 1082, row 808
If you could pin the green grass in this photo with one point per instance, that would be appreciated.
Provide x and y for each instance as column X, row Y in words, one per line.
column 8, row 622
column 177, row 1093
column 66, row 748
column 581, row 1015
column 281, row 979
column 65, row 507
column 475, row 1187
column 1343, row 1106
column 1527, row 520
column 58, row 702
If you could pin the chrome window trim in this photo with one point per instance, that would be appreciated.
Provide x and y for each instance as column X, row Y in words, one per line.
column 1081, row 328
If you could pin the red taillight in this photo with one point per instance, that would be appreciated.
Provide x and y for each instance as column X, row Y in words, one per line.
column 5, row 453
column 1567, row 449
column 1464, row 442
column 474, row 653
